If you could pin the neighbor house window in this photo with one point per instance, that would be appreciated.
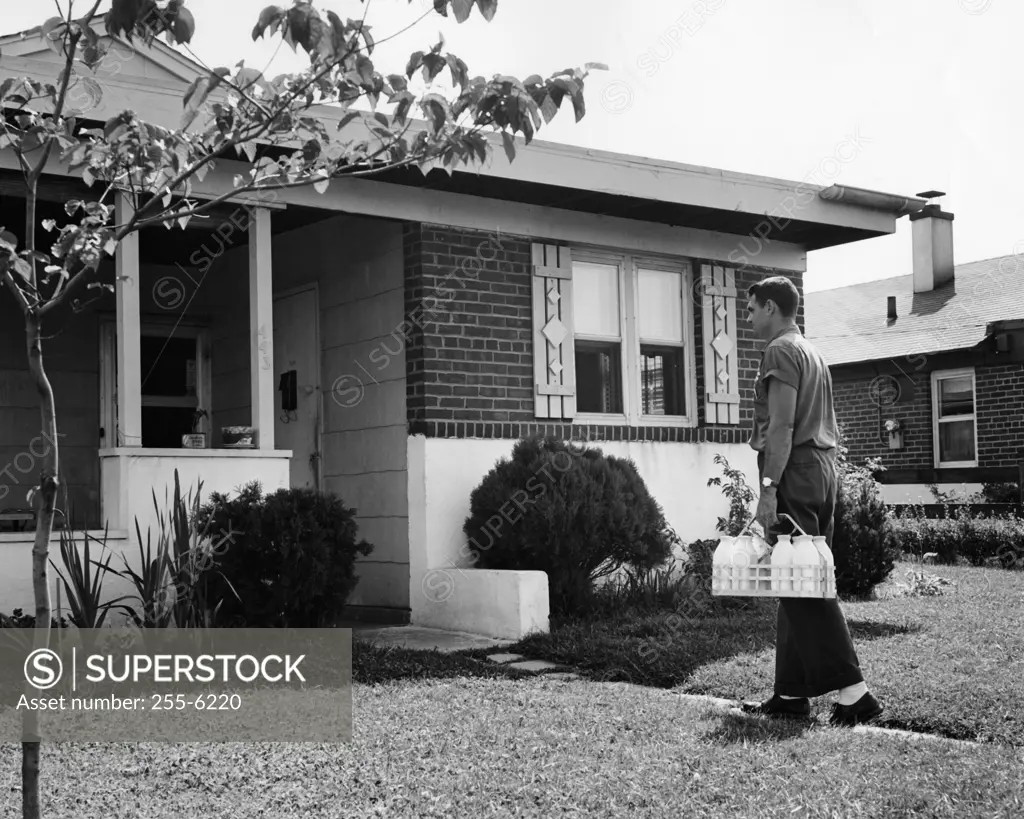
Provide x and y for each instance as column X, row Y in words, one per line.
column 953, row 418
column 632, row 325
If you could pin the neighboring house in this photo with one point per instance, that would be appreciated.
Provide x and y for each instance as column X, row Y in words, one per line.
column 941, row 351
column 391, row 338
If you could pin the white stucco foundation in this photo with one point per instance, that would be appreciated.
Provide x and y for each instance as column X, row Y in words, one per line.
column 505, row 605
column 16, row 590
column 444, row 472
column 129, row 477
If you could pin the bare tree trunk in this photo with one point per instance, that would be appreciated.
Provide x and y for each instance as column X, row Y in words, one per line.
column 43, row 501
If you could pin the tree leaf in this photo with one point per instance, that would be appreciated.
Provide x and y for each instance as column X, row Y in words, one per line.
column 8, row 238
column 487, row 8
column 49, row 225
column 548, row 109
column 87, row 177
column 461, row 9
column 22, row 268
column 415, row 61
column 269, row 15
column 509, row 142
column 321, row 185
column 595, row 66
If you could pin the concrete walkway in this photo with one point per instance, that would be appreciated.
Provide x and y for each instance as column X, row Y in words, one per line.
column 423, row 639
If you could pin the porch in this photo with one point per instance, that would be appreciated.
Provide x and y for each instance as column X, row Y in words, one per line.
column 209, row 358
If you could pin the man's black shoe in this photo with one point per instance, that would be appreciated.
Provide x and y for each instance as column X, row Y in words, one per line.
column 863, row 710
column 778, row 707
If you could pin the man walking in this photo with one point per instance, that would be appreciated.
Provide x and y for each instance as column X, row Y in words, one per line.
column 796, row 436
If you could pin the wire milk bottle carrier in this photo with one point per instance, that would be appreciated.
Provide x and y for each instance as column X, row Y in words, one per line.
column 801, row 566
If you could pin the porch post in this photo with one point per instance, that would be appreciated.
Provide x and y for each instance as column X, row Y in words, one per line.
column 261, row 328
column 129, row 332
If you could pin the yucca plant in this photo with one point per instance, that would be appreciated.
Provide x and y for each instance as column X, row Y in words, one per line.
column 172, row 584
column 83, row 587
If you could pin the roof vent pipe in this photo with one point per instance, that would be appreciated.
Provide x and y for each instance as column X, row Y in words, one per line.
column 892, row 308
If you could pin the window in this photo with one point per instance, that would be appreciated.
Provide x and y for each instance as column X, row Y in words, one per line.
column 175, row 382
column 598, row 339
column 632, row 322
column 953, row 418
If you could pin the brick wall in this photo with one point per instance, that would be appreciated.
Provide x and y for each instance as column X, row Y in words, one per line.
column 469, row 348
column 1000, row 415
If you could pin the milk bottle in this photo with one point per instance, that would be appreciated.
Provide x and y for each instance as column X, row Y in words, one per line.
column 744, row 554
column 830, row 563
column 721, row 574
column 806, row 561
column 782, row 564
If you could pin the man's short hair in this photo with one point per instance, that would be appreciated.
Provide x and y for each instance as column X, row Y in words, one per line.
column 780, row 290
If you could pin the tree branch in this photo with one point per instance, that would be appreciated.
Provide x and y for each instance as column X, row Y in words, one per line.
column 65, row 81
column 18, row 295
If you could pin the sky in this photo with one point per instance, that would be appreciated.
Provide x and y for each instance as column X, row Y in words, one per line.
column 928, row 89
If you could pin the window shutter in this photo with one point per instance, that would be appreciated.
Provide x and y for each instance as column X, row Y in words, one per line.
column 554, row 361
column 721, row 366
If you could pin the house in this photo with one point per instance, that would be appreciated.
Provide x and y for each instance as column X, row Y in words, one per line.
column 941, row 352
column 391, row 338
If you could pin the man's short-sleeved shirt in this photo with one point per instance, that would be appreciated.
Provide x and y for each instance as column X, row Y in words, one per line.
column 790, row 358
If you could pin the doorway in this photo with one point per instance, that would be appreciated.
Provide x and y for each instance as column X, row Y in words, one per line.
column 297, row 420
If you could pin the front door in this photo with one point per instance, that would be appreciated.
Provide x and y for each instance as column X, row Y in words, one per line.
column 297, row 376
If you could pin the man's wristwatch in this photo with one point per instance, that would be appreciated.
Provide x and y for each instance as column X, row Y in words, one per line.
column 768, row 483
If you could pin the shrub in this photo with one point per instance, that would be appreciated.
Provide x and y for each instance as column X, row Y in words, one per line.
column 975, row 538
column 567, row 510
column 289, row 555
column 862, row 542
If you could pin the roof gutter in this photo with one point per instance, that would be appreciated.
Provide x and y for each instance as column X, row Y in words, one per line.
column 876, row 200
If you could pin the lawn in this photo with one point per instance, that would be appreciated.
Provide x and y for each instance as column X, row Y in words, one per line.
column 951, row 664
column 447, row 735
column 541, row 748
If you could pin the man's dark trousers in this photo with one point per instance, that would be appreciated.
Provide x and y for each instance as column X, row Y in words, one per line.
column 814, row 653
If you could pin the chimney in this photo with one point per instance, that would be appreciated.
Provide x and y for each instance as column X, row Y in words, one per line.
column 892, row 309
column 932, row 234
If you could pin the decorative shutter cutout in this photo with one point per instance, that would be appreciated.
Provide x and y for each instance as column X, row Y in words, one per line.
column 554, row 359
column 721, row 365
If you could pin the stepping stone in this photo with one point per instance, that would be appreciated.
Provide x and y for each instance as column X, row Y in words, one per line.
column 535, row 665
column 504, row 658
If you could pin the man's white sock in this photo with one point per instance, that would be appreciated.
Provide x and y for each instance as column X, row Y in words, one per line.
column 783, row 696
column 852, row 693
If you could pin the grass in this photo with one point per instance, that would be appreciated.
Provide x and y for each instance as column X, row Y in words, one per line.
column 950, row 664
column 443, row 735
column 539, row 748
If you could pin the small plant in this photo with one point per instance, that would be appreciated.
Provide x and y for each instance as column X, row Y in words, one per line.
column 82, row 585
column 740, row 494
column 922, row 584
column 172, row 585
column 893, row 425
